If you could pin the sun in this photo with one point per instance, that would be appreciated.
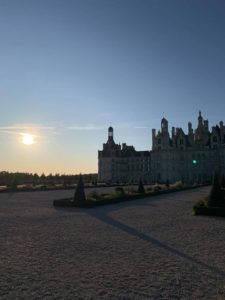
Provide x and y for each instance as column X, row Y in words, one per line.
column 28, row 139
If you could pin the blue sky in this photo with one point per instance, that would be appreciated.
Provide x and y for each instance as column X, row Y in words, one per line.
column 69, row 69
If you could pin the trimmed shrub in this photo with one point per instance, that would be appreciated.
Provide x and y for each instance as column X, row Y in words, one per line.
column 214, row 204
column 141, row 189
column 216, row 197
column 223, row 182
column 79, row 196
column 167, row 184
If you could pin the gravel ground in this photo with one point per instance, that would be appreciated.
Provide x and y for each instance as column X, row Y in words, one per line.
column 144, row 249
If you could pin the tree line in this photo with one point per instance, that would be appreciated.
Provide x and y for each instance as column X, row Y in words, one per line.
column 13, row 179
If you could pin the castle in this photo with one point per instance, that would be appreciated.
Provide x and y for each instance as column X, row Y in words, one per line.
column 190, row 158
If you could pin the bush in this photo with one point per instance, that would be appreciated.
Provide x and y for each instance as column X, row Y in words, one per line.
column 214, row 204
column 178, row 185
column 209, row 211
column 216, row 197
column 95, row 195
column 130, row 191
column 157, row 188
column 119, row 189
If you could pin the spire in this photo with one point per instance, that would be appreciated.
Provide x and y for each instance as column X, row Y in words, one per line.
column 200, row 119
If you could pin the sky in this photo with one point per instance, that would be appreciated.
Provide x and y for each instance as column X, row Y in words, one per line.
column 69, row 69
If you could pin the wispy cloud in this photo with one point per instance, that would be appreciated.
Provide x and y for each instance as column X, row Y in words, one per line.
column 141, row 127
column 89, row 127
column 17, row 128
column 58, row 129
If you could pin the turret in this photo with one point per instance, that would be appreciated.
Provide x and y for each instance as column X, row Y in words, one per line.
column 190, row 130
column 206, row 125
column 110, row 135
column 200, row 119
column 164, row 125
column 153, row 138
column 173, row 131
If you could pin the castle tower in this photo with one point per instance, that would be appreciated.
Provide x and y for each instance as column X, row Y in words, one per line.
column 153, row 138
column 165, row 133
column 164, row 125
column 110, row 135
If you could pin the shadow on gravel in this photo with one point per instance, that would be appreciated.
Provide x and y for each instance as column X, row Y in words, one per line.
column 153, row 241
column 101, row 213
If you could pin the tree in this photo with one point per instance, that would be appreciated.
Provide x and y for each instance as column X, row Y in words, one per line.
column 141, row 188
column 79, row 196
column 216, row 198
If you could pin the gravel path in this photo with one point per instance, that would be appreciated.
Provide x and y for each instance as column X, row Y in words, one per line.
column 144, row 249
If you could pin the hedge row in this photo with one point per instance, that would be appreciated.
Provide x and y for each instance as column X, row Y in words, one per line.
column 122, row 198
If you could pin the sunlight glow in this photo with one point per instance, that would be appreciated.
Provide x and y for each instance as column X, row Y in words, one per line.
column 28, row 139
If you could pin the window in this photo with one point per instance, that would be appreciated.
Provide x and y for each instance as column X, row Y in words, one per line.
column 159, row 141
column 181, row 142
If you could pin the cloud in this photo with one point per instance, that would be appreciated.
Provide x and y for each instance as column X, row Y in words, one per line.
column 141, row 127
column 58, row 129
column 17, row 128
column 89, row 127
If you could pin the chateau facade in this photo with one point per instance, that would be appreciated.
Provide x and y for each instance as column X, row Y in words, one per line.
column 191, row 157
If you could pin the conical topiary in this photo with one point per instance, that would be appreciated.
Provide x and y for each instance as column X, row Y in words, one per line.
column 223, row 182
column 79, row 196
column 215, row 198
column 141, row 188
column 167, row 183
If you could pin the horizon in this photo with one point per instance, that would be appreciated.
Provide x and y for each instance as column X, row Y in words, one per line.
column 70, row 70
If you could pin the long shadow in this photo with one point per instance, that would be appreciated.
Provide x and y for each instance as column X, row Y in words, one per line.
column 101, row 213
column 153, row 241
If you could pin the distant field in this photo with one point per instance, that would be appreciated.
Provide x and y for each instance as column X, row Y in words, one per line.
column 151, row 248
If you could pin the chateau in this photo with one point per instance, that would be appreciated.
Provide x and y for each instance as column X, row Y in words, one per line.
column 191, row 157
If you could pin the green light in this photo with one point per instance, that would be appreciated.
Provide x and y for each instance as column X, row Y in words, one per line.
column 194, row 161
